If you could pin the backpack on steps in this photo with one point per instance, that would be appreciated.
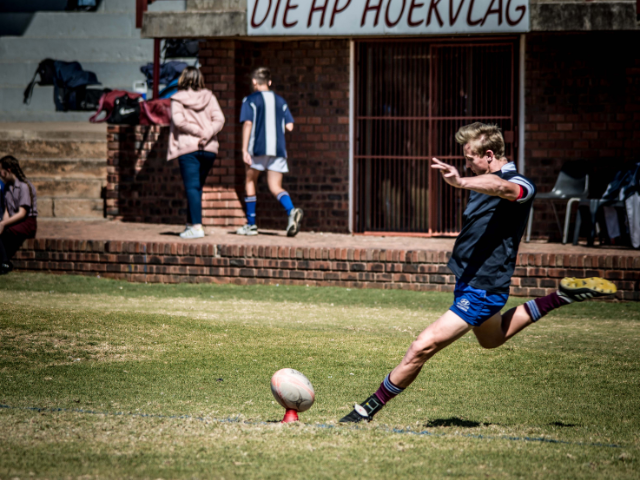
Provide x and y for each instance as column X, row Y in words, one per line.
column 47, row 72
column 70, row 77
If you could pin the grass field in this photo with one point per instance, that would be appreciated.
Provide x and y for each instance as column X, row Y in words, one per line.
column 162, row 381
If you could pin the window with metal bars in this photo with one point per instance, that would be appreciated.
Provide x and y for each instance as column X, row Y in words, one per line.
column 411, row 98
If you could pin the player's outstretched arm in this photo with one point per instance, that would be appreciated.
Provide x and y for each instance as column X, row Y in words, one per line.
column 487, row 184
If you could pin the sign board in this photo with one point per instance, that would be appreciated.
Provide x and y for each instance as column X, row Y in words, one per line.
column 385, row 17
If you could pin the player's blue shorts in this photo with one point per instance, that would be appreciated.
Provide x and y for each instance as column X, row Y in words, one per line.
column 475, row 306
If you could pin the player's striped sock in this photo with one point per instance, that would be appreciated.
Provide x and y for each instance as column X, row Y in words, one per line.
column 387, row 390
column 539, row 307
column 285, row 201
column 251, row 209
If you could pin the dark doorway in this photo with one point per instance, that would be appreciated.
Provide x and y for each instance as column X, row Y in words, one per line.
column 411, row 98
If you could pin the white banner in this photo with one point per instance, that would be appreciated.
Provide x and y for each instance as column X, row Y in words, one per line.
column 385, row 17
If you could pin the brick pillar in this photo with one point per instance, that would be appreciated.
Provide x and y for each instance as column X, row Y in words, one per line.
column 225, row 186
column 313, row 77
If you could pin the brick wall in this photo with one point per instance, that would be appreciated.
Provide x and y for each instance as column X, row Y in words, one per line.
column 143, row 187
column 313, row 76
column 168, row 262
column 582, row 103
column 590, row 113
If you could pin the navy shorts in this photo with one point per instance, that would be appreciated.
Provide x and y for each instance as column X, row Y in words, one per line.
column 475, row 306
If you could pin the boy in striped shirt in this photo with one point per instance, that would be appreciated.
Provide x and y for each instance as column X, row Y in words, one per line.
column 266, row 117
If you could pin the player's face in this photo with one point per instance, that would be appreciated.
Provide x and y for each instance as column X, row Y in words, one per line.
column 476, row 163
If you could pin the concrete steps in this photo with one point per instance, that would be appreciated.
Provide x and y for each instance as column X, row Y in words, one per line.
column 105, row 42
column 60, row 149
column 68, row 187
column 83, row 50
column 65, row 168
column 66, row 162
column 55, row 208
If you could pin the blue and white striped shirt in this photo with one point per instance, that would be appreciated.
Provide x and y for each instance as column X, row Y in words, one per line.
column 269, row 113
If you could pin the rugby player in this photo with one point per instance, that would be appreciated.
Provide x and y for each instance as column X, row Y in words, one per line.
column 483, row 261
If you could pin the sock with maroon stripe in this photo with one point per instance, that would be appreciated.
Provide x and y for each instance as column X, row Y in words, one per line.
column 387, row 390
column 539, row 307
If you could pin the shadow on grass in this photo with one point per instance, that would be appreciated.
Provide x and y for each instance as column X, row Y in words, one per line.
column 561, row 424
column 455, row 422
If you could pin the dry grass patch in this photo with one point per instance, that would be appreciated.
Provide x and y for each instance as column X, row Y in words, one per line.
column 571, row 377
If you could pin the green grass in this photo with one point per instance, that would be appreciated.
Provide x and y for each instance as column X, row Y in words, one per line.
column 208, row 352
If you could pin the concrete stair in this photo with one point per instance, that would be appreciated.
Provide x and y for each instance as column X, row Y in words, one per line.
column 105, row 42
column 66, row 162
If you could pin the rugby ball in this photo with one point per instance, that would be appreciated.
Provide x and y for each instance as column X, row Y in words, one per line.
column 292, row 390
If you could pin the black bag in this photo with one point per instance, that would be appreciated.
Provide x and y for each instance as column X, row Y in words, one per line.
column 125, row 111
column 69, row 82
column 81, row 99
column 91, row 98
column 181, row 47
column 70, row 76
column 47, row 72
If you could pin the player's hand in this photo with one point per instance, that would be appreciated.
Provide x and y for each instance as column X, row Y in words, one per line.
column 450, row 174
column 1, row 227
column 246, row 158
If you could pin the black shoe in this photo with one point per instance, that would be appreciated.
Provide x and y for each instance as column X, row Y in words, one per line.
column 5, row 268
column 365, row 411
column 580, row 289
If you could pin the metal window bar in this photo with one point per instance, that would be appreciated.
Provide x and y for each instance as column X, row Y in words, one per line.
column 411, row 98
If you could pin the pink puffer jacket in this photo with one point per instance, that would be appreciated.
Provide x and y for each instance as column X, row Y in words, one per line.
column 196, row 120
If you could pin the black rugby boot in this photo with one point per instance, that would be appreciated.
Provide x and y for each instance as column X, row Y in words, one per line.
column 365, row 411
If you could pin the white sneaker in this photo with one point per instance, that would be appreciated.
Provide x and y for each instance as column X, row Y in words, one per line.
column 293, row 226
column 247, row 230
column 191, row 232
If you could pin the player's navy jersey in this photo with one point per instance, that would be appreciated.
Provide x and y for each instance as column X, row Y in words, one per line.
column 269, row 113
column 484, row 255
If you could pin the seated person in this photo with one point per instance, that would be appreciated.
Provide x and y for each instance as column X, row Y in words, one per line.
column 19, row 220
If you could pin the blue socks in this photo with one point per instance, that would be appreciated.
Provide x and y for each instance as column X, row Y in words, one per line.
column 250, row 202
column 251, row 209
column 285, row 201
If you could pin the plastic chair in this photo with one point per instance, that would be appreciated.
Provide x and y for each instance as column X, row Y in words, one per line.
column 572, row 185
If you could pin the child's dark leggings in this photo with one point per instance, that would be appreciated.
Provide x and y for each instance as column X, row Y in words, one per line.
column 194, row 168
column 14, row 236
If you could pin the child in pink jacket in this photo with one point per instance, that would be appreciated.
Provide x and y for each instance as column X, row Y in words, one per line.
column 196, row 119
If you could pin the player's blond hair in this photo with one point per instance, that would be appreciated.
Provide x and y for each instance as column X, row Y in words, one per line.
column 484, row 136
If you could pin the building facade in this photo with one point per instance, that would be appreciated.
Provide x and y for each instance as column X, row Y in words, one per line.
column 378, row 87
